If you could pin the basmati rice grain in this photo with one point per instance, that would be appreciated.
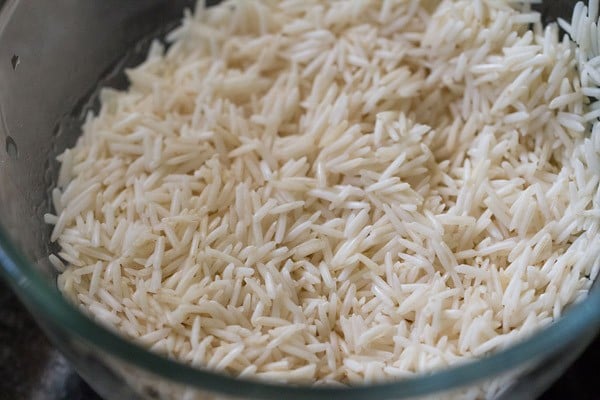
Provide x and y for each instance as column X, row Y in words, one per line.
column 339, row 192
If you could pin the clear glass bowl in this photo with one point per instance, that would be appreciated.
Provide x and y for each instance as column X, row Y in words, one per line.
column 55, row 53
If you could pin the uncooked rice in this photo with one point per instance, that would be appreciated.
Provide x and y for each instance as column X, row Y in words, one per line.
column 339, row 191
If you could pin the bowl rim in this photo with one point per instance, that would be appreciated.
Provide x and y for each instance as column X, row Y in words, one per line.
column 41, row 296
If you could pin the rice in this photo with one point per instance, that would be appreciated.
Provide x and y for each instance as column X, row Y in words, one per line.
column 319, row 192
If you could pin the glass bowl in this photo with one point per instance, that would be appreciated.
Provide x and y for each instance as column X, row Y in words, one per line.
column 53, row 55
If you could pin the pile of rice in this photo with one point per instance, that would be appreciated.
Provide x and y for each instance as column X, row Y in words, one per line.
column 339, row 191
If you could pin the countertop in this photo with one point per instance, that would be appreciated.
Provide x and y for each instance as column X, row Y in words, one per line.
column 32, row 369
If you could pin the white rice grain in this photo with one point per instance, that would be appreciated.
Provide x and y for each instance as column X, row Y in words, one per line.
column 339, row 192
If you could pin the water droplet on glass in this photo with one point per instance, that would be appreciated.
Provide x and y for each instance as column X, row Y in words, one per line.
column 11, row 147
column 14, row 61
